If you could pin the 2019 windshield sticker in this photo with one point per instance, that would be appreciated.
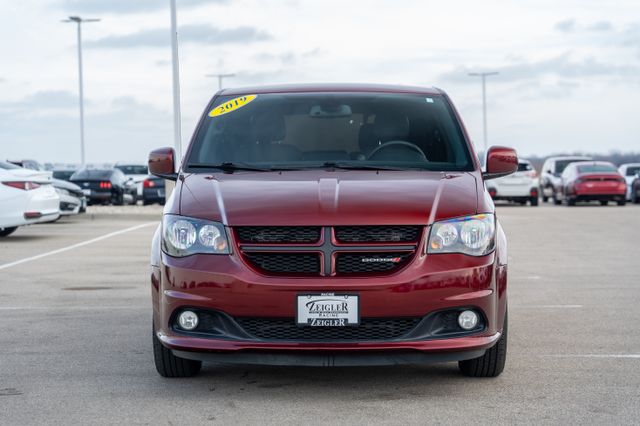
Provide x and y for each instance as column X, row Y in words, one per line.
column 232, row 105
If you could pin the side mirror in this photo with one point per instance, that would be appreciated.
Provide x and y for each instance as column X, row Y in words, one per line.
column 162, row 163
column 501, row 161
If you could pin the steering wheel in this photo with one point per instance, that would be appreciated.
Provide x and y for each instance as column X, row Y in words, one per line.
column 403, row 144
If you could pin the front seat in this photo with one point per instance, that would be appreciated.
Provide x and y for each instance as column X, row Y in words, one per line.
column 269, row 133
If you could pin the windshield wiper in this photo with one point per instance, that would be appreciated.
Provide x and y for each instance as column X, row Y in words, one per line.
column 230, row 167
column 352, row 166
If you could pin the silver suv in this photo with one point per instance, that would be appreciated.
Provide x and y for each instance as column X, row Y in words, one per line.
column 550, row 180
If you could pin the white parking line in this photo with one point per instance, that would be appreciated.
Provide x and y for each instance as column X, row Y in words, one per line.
column 74, row 246
column 550, row 306
column 65, row 308
column 630, row 356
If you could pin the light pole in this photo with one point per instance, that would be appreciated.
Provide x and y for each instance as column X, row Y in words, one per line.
column 78, row 20
column 220, row 77
column 483, row 76
column 177, row 129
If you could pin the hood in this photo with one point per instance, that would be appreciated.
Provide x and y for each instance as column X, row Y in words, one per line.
column 321, row 197
column 58, row 183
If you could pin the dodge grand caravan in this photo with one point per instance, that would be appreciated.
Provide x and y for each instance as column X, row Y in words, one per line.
column 330, row 225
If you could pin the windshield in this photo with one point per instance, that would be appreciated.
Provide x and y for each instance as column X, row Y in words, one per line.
column 351, row 130
column 597, row 168
column 632, row 171
column 562, row 164
column 91, row 174
column 524, row 167
column 63, row 174
column 133, row 170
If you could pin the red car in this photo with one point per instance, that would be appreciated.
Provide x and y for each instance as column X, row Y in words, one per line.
column 330, row 225
column 593, row 181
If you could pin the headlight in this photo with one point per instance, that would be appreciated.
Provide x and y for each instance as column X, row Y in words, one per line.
column 184, row 236
column 472, row 235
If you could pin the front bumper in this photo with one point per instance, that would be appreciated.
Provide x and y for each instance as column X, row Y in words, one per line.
column 154, row 195
column 330, row 359
column 70, row 205
column 428, row 284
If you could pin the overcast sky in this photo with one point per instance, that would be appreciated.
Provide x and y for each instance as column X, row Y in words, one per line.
column 569, row 69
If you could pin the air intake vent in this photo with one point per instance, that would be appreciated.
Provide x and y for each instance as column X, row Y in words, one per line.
column 377, row 234
column 278, row 234
column 286, row 263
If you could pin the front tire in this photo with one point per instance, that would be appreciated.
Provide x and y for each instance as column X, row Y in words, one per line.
column 169, row 365
column 118, row 199
column 491, row 364
column 4, row 232
column 604, row 202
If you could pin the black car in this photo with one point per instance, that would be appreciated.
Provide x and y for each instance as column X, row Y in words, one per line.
column 105, row 186
column 153, row 190
column 635, row 190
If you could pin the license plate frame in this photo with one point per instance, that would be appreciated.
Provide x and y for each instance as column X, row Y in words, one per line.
column 338, row 310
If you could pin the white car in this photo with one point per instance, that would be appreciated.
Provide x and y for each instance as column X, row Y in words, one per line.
column 26, row 197
column 72, row 199
column 520, row 187
column 629, row 171
column 137, row 173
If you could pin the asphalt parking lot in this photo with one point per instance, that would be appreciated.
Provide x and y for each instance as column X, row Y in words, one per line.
column 75, row 346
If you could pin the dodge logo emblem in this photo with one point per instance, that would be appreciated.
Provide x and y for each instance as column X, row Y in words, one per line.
column 381, row 260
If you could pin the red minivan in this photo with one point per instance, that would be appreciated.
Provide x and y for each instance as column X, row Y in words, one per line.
column 330, row 225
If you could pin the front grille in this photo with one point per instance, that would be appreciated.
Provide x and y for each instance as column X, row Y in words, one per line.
column 354, row 263
column 369, row 329
column 310, row 250
column 278, row 234
column 286, row 263
column 377, row 234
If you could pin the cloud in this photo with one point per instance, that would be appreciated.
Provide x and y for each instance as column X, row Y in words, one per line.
column 198, row 33
column 287, row 57
column 44, row 100
column 127, row 6
column 566, row 26
column 124, row 129
column 631, row 36
column 560, row 66
column 600, row 26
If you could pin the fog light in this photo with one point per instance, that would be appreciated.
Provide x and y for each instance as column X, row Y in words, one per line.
column 468, row 320
column 188, row 320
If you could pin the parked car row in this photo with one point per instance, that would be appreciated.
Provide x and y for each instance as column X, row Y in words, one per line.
column 578, row 178
column 113, row 186
column 27, row 197
column 569, row 179
column 31, row 194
